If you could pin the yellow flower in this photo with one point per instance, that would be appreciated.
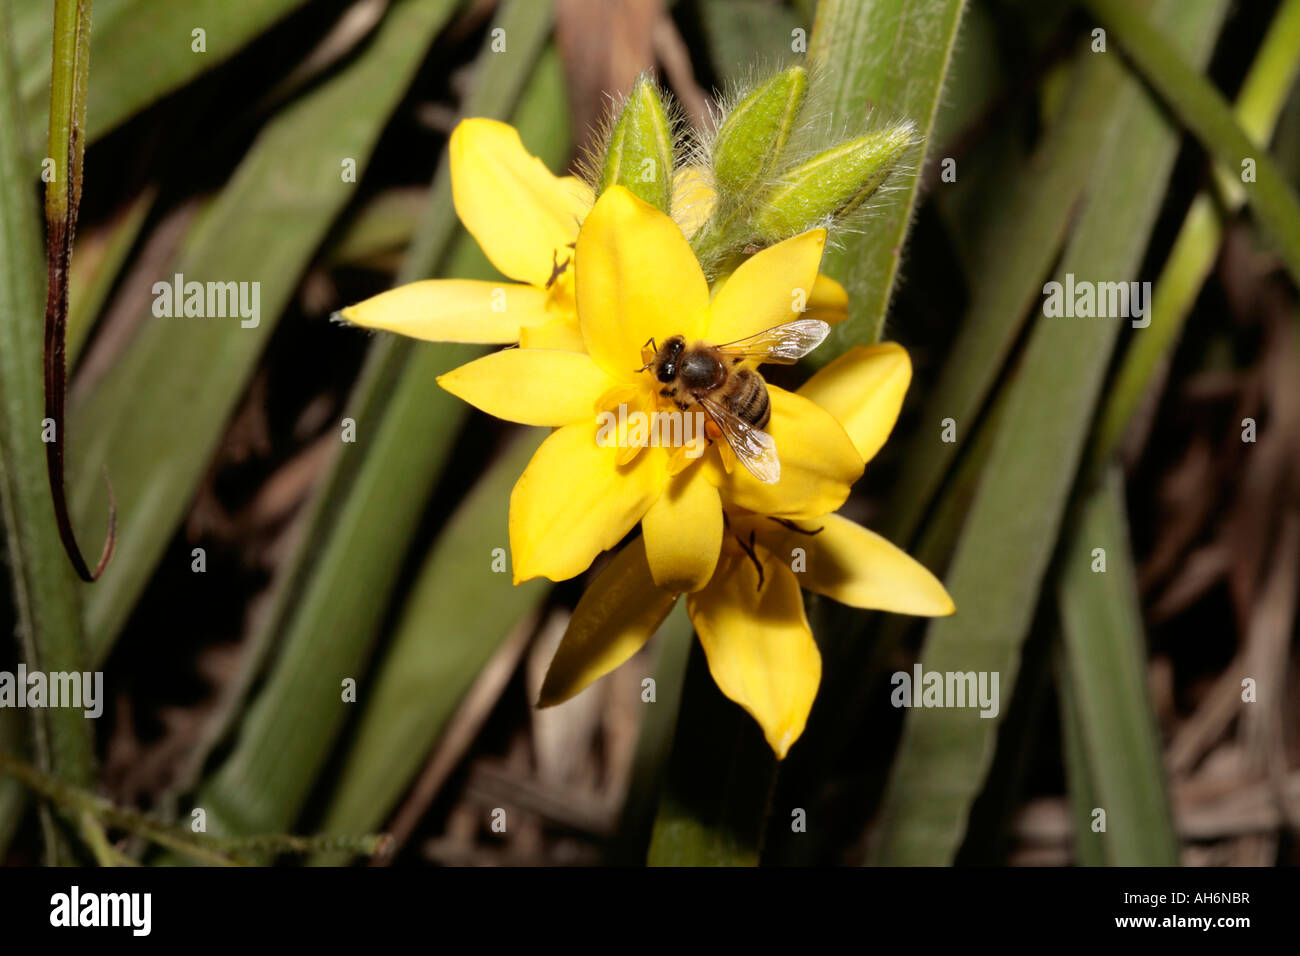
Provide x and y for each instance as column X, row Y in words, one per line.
column 637, row 280
column 750, row 616
column 526, row 221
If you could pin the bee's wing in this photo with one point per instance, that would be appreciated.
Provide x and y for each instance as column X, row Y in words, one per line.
column 782, row 344
column 753, row 446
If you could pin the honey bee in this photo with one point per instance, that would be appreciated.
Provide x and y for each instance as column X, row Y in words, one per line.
column 734, row 396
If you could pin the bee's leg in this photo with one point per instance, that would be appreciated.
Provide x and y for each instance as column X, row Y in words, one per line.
column 648, row 352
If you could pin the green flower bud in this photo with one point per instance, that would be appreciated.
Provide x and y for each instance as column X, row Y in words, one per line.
column 753, row 136
column 832, row 183
column 640, row 155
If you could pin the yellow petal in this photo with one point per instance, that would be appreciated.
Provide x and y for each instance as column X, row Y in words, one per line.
column 561, row 333
column 759, row 646
column 818, row 463
column 864, row 390
column 616, row 615
column 693, row 198
column 683, row 533
column 522, row 215
column 573, row 502
column 859, row 568
column 453, row 310
column 637, row 279
column 828, row 301
column 530, row 386
column 768, row 289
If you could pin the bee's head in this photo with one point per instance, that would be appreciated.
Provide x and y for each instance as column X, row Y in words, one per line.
column 666, row 360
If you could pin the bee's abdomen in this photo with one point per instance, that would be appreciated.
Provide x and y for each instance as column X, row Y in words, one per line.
column 749, row 399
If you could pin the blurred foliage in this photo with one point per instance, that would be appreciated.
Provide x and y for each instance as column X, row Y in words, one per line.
column 221, row 136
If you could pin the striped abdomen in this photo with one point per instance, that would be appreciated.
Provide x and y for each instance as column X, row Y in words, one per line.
column 747, row 398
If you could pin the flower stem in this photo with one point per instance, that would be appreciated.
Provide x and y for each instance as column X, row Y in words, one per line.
column 95, row 814
column 721, row 781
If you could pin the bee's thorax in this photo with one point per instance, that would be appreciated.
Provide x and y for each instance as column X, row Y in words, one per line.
column 701, row 370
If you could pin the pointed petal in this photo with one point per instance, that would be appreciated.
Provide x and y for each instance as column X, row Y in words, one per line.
column 573, row 501
column 637, row 279
column 759, row 646
column 767, row 288
column 683, row 533
column 530, row 386
column 864, row 390
column 522, row 215
column 859, row 568
column 693, row 198
column 616, row 615
column 818, row 463
column 452, row 310
column 828, row 301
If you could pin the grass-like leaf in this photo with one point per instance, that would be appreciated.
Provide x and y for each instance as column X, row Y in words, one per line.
column 654, row 743
column 1202, row 109
column 945, row 754
column 13, row 795
column 720, row 779
column 458, row 613
column 888, row 57
column 143, row 49
column 63, row 178
column 1020, row 245
column 1088, row 850
column 1110, row 741
column 1105, row 664
column 1263, row 94
column 45, row 596
column 171, row 393
column 1111, row 745
column 342, row 575
column 95, row 268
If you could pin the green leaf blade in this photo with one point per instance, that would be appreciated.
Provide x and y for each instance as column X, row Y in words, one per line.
column 944, row 755
column 889, row 57
column 342, row 575
column 172, row 391
column 1202, row 109
column 44, row 589
column 143, row 50
column 1105, row 665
